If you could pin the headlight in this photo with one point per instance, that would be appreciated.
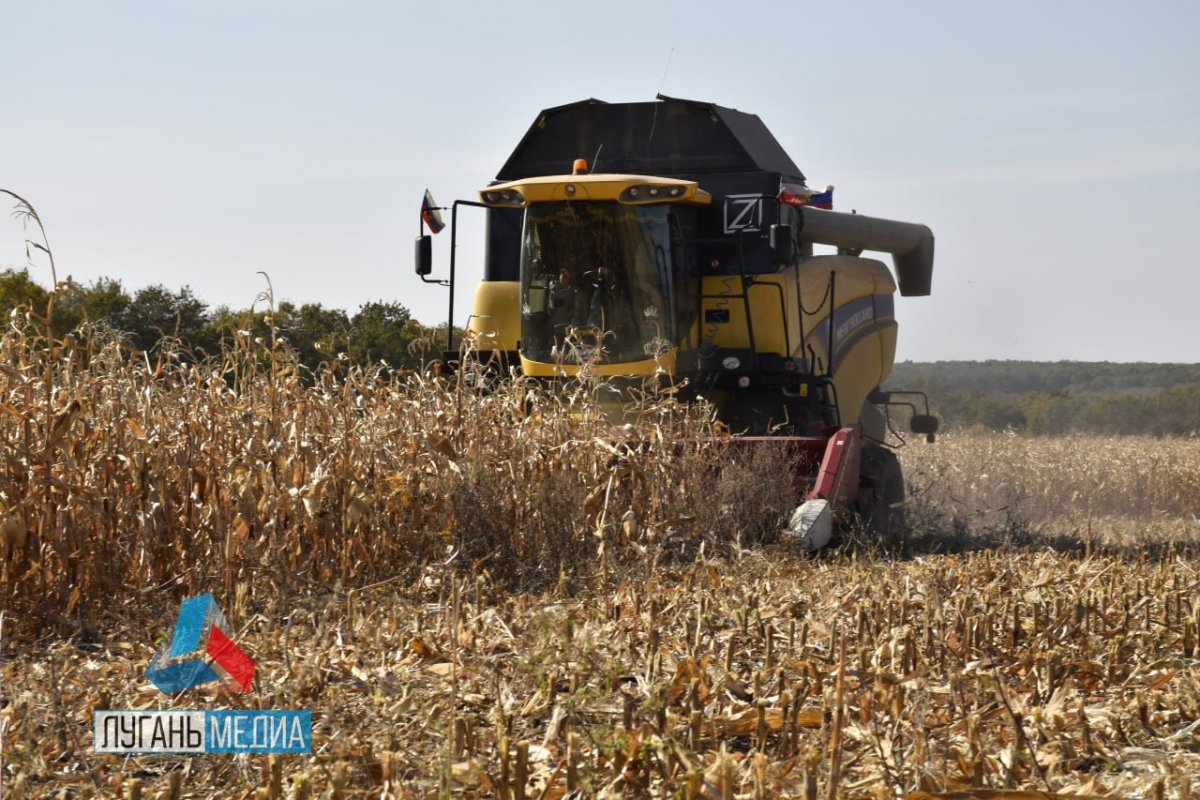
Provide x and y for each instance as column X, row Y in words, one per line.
column 650, row 193
column 503, row 197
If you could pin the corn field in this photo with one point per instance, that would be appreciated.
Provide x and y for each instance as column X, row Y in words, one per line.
column 498, row 594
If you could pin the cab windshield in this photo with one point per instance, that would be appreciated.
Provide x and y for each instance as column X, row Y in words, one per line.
column 597, row 281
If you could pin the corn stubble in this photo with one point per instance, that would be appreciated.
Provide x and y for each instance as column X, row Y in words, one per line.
column 500, row 595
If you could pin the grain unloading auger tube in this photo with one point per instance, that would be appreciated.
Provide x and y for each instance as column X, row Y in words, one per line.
column 910, row 244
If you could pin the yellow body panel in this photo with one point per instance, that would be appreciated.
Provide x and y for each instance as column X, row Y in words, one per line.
column 857, row 373
column 611, row 187
column 496, row 315
column 862, row 356
column 650, row 366
column 887, row 339
column 859, row 365
column 770, row 324
column 856, row 278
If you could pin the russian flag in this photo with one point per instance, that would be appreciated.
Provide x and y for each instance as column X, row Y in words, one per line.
column 800, row 195
column 822, row 199
column 431, row 215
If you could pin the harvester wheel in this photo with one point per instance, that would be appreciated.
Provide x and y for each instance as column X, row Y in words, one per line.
column 884, row 512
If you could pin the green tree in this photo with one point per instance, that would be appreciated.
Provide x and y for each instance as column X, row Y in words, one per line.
column 155, row 312
column 379, row 331
column 1049, row 414
column 315, row 333
column 385, row 332
column 18, row 289
column 103, row 301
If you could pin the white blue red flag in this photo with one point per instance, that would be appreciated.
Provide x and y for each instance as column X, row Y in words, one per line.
column 431, row 214
column 800, row 195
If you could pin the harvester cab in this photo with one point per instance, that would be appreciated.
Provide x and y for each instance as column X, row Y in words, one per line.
column 685, row 249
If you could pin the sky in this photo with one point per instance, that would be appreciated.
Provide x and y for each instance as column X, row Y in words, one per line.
column 1053, row 147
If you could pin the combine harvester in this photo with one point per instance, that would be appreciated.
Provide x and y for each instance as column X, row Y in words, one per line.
column 686, row 248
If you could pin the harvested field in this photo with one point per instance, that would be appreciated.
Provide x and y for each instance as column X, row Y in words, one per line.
column 1104, row 491
column 623, row 622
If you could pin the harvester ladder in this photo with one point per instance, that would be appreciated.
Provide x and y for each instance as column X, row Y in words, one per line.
column 743, row 295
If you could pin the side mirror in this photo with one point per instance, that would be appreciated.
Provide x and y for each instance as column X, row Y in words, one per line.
column 424, row 254
column 780, row 238
column 926, row 424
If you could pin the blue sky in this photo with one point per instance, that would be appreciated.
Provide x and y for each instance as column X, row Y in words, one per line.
column 1053, row 147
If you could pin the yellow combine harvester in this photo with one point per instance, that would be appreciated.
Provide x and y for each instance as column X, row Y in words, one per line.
column 686, row 249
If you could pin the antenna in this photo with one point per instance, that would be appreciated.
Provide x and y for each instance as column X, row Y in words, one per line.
column 654, row 119
column 666, row 70
column 596, row 158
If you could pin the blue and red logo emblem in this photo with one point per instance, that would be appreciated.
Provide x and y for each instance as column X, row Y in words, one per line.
column 201, row 651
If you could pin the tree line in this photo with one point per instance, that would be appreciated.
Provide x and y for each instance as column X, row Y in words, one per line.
column 1044, row 398
column 1020, row 377
column 1034, row 397
column 154, row 315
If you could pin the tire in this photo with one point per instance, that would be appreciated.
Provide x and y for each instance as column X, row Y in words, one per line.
column 883, row 513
